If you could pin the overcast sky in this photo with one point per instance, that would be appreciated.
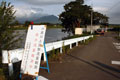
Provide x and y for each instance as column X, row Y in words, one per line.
column 37, row 8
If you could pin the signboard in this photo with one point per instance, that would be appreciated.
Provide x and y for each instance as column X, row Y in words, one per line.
column 78, row 31
column 33, row 50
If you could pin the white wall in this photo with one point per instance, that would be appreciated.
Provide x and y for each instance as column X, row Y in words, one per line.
column 78, row 31
column 93, row 28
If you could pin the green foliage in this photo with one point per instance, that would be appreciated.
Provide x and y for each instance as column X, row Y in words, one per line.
column 27, row 23
column 2, row 77
column 15, row 23
column 114, row 25
column 118, row 38
column 76, row 36
column 88, row 40
column 55, row 55
column 54, row 26
column 52, row 55
column 63, row 48
column 19, row 28
column 7, row 38
column 53, row 52
column 3, row 72
column 77, row 14
column 99, row 18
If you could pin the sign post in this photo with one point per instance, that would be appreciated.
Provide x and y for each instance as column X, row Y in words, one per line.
column 34, row 48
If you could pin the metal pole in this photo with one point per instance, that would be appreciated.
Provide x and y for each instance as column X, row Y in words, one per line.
column 91, row 21
column 91, row 17
column 119, row 33
column 10, row 69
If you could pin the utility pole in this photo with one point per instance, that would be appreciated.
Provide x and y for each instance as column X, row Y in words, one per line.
column 91, row 30
column 91, row 22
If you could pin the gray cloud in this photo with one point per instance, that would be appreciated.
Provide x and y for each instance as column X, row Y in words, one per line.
column 37, row 9
column 114, row 14
column 28, row 13
column 109, row 7
column 45, row 2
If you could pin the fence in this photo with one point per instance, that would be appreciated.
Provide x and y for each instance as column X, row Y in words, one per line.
column 12, row 56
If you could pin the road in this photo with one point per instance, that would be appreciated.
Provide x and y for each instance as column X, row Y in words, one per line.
column 88, row 62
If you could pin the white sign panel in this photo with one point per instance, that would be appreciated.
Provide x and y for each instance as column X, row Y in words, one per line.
column 33, row 50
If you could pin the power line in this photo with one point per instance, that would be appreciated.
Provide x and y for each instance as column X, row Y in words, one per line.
column 115, row 5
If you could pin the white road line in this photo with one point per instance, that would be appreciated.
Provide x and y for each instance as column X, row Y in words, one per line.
column 118, row 44
column 42, row 78
column 116, row 62
column 118, row 47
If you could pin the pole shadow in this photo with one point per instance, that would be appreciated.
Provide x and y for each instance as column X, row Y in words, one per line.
column 95, row 66
column 107, row 66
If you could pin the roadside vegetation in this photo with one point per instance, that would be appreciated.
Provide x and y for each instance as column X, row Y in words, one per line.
column 7, row 39
column 22, row 27
column 115, row 28
column 76, row 36
column 55, row 54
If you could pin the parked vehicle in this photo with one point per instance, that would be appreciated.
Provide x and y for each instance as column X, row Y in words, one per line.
column 100, row 31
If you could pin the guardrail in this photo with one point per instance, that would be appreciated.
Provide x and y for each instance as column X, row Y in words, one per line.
column 12, row 56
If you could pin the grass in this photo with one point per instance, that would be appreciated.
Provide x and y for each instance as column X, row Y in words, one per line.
column 58, row 26
column 118, row 38
column 2, row 77
column 25, row 28
column 76, row 36
column 87, row 41
column 4, row 72
column 55, row 55
column 19, row 28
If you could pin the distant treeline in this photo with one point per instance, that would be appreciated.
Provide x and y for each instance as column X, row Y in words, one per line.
column 114, row 25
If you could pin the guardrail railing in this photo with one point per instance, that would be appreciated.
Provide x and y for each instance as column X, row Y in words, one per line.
column 12, row 56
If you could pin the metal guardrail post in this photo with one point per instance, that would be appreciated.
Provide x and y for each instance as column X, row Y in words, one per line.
column 10, row 65
column 76, row 43
column 70, row 46
column 10, row 69
column 84, row 40
column 61, row 50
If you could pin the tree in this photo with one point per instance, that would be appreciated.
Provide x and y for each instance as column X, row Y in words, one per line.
column 7, row 39
column 75, row 14
column 16, row 22
column 99, row 18
column 27, row 23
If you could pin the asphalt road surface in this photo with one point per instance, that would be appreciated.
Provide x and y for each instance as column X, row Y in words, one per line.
column 88, row 62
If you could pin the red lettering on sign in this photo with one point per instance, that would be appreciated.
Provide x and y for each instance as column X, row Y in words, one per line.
column 33, row 50
column 36, row 34
column 35, row 45
column 35, row 39
column 32, row 55
column 31, row 66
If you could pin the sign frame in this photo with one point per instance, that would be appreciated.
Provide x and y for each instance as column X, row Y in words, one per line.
column 43, row 51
